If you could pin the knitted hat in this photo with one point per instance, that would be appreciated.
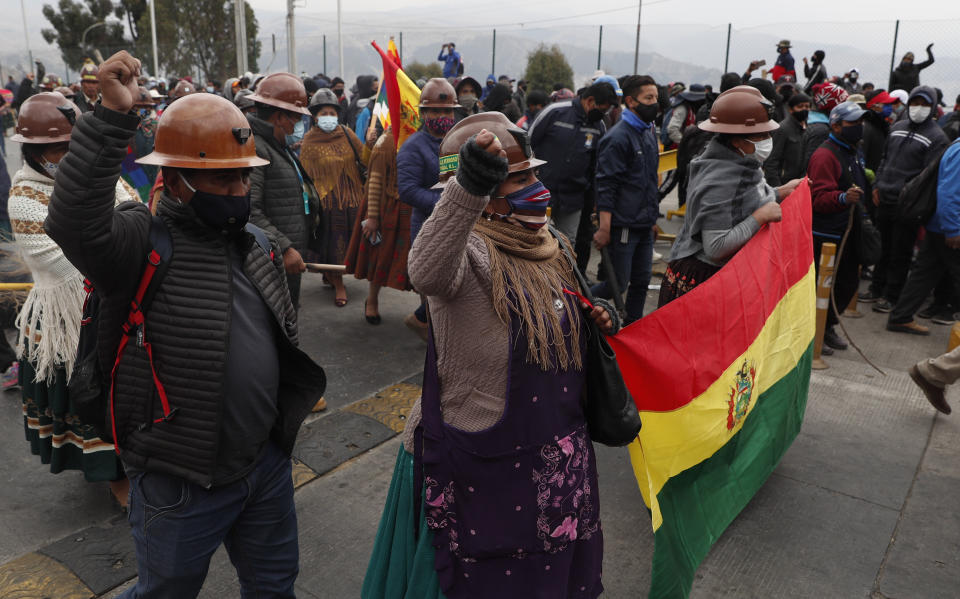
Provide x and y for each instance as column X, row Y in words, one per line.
column 826, row 96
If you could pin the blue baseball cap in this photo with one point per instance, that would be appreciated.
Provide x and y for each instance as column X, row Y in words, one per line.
column 613, row 83
column 847, row 111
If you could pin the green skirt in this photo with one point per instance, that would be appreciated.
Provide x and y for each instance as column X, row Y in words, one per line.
column 57, row 435
column 401, row 566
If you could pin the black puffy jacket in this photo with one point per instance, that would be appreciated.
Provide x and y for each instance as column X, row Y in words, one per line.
column 276, row 194
column 910, row 147
column 188, row 322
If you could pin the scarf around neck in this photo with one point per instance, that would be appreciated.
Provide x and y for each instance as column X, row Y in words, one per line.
column 528, row 272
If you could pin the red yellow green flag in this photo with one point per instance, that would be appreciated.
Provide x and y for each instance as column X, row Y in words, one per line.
column 402, row 97
column 720, row 377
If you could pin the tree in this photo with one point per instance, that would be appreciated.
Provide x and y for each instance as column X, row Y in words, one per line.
column 73, row 19
column 546, row 67
column 418, row 70
column 194, row 34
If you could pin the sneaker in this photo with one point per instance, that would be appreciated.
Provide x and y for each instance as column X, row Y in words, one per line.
column 944, row 317
column 833, row 340
column 883, row 306
column 934, row 394
column 908, row 327
column 931, row 311
column 10, row 379
column 868, row 297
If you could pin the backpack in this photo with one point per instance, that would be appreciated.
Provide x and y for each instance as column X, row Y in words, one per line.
column 918, row 199
column 664, row 135
column 90, row 389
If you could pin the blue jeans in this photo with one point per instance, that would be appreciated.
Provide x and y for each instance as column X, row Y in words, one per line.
column 177, row 526
column 631, row 251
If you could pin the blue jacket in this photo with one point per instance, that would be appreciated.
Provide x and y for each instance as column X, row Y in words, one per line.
column 563, row 137
column 627, row 176
column 418, row 169
column 946, row 220
column 451, row 63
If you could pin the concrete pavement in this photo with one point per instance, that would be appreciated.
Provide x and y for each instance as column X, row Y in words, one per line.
column 862, row 505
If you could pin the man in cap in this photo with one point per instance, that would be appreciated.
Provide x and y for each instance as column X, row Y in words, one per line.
column 786, row 160
column 876, row 127
column 567, row 134
column 851, row 82
column 907, row 74
column 826, row 97
column 628, row 198
column 89, row 86
column 837, row 183
column 283, row 200
column 785, row 62
column 913, row 143
column 418, row 168
column 209, row 392
column 450, row 59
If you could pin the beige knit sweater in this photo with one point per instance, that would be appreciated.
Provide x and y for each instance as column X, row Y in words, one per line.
column 450, row 265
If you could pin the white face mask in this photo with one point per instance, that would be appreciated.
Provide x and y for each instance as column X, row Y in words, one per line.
column 327, row 123
column 919, row 114
column 762, row 149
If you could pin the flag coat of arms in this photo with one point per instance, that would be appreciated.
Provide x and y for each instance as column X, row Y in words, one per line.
column 720, row 377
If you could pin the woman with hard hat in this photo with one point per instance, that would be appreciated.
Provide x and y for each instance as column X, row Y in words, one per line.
column 727, row 198
column 335, row 159
column 495, row 489
column 49, row 321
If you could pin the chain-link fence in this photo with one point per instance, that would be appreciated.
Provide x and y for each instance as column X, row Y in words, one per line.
column 689, row 53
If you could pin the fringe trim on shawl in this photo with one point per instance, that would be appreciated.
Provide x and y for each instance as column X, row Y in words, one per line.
column 529, row 272
column 330, row 162
column 60, row 309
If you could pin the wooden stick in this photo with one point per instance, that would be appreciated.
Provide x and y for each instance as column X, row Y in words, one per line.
column 331, row 268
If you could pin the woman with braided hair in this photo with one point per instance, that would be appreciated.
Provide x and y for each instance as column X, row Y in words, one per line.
column 495, row 488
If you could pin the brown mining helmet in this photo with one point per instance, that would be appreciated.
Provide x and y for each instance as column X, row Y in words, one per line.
column 741, row 110
column 512, row 138
column 181, row 89
column 282, row 90
column 143, row 99
column 203, row 131
column 46, row 118
column 50, row 82
column 89, row 71
column 438, row 93
column 66, row 92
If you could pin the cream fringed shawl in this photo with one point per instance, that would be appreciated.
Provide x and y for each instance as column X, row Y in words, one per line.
column 49, row 321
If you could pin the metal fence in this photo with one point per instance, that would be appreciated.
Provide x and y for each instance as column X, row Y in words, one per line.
column 689, row 53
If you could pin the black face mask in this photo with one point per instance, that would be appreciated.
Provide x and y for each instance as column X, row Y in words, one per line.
column 594, row 115
column 801, row 115
column 338, row 92
column 225, row 213
column 852, row 134
column 646, row 112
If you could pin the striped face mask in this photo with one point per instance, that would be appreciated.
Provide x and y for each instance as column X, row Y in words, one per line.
column 534, row 197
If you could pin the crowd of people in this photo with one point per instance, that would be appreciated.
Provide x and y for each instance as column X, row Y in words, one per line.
column 257, row 180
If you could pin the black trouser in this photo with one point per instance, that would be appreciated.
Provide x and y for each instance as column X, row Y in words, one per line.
column 934, row 259
column 944, row 294
column 584, row 240
column 897, row 240
column 846, row 279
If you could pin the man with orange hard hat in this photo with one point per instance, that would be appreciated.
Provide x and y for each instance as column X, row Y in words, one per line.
column 207, row 388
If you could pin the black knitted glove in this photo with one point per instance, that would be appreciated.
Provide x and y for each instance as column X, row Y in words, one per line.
column 480, row 172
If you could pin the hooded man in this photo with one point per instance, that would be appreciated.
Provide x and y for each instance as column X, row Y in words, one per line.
column 366, row 87
column 907, row 74
column 826, row 96
column 851, row 82
column 490, row 84
column 815, row 74
column 468, row 96
column 913, row 143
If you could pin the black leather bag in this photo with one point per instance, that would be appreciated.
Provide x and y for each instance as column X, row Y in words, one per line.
column 612, row 416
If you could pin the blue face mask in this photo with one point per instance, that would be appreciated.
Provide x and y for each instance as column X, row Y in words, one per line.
column 51, row 168
column 887, row 110
column 297, row 135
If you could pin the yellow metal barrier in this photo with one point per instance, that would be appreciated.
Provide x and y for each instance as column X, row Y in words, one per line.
column 16, row 286
column 668, row 161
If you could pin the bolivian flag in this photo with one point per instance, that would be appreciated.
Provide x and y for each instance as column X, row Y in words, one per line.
column 403, row 98
column 720, row 377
